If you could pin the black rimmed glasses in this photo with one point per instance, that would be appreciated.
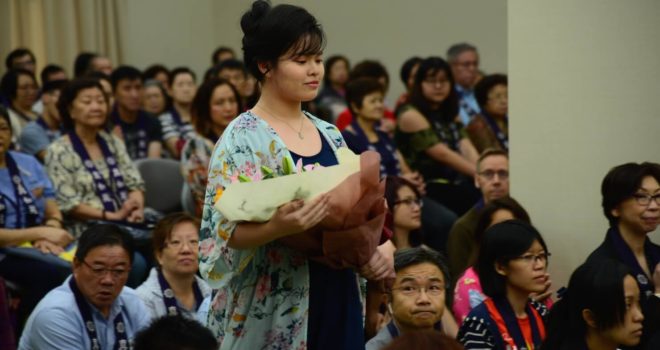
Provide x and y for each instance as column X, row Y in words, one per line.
column 645, row 199
column 533, row 258
column 99, row 272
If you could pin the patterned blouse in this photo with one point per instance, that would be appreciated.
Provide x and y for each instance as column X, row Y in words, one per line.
column 195, row 157
column 262, row 300
column 74, row 185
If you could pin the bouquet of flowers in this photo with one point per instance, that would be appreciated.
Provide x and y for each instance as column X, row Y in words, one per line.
column 350, row 233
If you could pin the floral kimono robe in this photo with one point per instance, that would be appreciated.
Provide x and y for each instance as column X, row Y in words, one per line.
column 262, row 300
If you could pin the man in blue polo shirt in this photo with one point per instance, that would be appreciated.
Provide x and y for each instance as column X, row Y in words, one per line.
column 464, row 61
column 92, row 309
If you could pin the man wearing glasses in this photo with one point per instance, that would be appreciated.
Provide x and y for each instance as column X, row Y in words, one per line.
column 492, row 179
column 417, row 297
column 464, row 61
column 92, row 309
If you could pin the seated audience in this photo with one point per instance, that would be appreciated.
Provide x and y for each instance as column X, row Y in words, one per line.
column 492, row 179
column 92, row 308
column 464, row 60
column 222, row 53
column 331, row 100
column 28, row 213
column 430, row 139
column 21, row 58
column 468, row 292
column 417, row 297
column 159, row 73
column 599, row 311
column 141, row 133
column 235, row 72
column 375, row 70
column 631, row 203
column 175, row 333
column 106, row 83
column 490, row 128
column 20, row 89
column 512, row 263
column 93, row 176
column 37, row 135
column 365, row 99
column 216, row 104
column 175, row 122
column 156, row 99
column 407, row 75
column 173, row 288
column 52, row 72
column 405, row 207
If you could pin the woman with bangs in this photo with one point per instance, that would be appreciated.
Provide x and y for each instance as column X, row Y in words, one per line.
column 600, row 310
column 432, row 140
column 269, row 295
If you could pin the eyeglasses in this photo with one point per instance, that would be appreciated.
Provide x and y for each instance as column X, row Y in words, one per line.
column 177, row 244
column 99, row 272
column 435, row 289
column 645, row 199
column 467, row 64
column 410, row 201
column 490, row 174
column 433, row 81
column 533, row 258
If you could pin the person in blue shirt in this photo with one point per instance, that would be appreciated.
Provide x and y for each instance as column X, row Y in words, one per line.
column 28, row 213
column 92, row 308
column 464, row 60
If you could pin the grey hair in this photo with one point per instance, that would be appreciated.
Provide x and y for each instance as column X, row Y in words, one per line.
column 455, row 50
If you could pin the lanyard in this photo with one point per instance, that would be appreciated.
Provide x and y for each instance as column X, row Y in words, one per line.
column 170, row 300
column 501, row 312
column 499, row 134
column 121, row 339
column 142, row 141
column 23, row 199
column 103, row 191
column 627, row 257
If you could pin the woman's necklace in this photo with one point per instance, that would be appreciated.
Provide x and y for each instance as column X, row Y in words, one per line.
column 299, row 131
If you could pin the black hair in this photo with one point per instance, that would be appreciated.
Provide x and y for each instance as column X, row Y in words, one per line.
column 124, row 73
column 103, row 235
column 486, row 218
column 270, row 32
column 449, row 107
column 180, row 70
column 16, row 53
column 4, row 114
column 502, row 243
column 220, row 50
column 48, row 70
column 232, row 64
column 83, row 63
column 486, row 84
column 331, row 62
column 392, row 186
column 175, row 333
column 407, row 67
column 152, row 71
column 9, row 83
column 357, row 89
column 418, row 255
column 53, row 85
column 370, row 69
column 201, row 110
column 621, row 182
column 69, row 94
column 596, row 285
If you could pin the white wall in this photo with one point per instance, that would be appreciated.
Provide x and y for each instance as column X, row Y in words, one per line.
column 584, row 91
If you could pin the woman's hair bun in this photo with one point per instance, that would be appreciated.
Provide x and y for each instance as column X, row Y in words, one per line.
column 251, row 19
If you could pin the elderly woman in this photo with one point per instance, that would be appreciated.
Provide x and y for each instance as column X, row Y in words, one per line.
column 216, row 104
column 20, row 88
column 490, row 128
column 28, row 213
column 92, row 174
column 173, row 288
